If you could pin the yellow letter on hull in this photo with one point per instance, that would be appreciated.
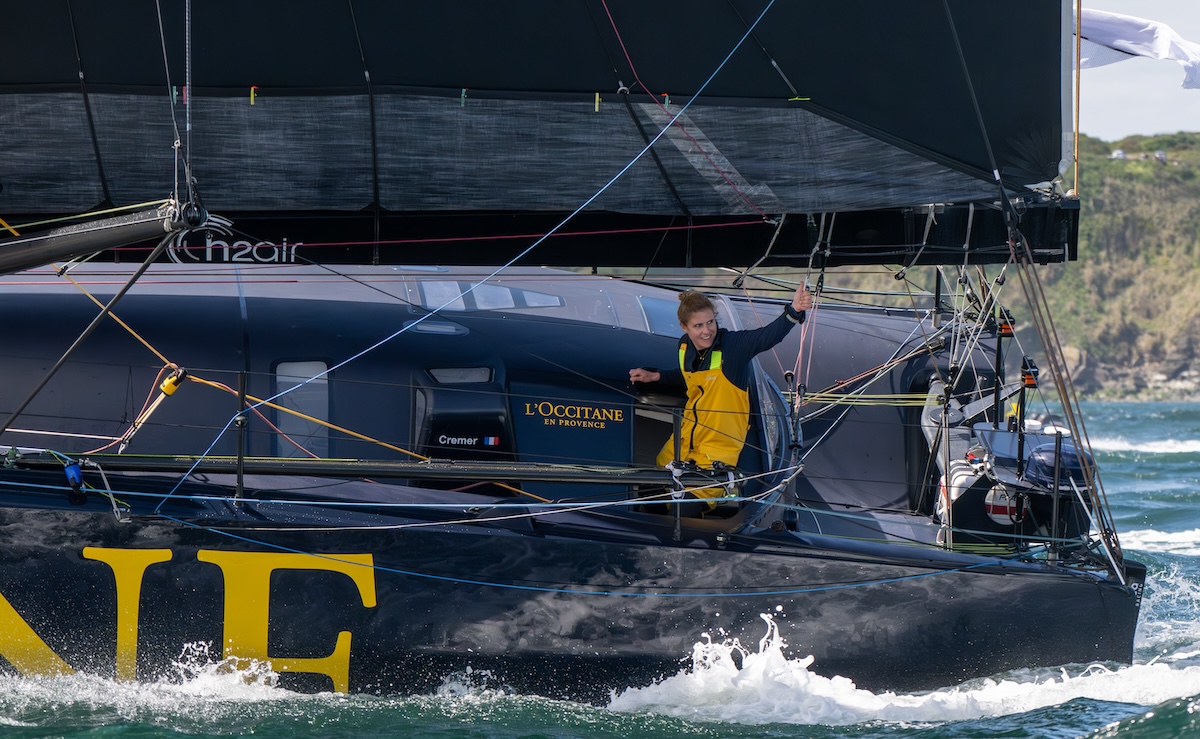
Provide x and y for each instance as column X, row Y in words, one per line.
column 128, row 566
column 23, row 648
column 247, row 595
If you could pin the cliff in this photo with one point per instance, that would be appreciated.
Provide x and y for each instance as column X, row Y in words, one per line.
column 1129, row 309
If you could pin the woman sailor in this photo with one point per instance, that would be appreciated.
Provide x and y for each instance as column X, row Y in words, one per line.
column 714, row 365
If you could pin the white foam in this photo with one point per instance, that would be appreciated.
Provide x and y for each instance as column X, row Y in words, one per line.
column 13, row 722
column 1163, row 542
column 203, row 690
column 769, row 688
column 1158, row 446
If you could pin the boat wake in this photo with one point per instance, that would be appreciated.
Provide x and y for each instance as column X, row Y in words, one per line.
column 1158, row 446
column 203, row 691
column 730, row 683
column 1162, row 542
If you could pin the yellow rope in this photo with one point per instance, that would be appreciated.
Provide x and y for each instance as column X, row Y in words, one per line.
column 315, row 420
column 347, row 431
column 893, row 399
column 114, row 316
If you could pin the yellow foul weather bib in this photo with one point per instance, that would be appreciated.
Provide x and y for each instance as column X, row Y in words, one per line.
column 716, row 418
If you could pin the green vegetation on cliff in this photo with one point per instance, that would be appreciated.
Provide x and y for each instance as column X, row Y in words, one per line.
column 1132, row 301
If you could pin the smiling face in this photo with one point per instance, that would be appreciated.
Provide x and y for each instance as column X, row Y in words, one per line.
column 701, row 328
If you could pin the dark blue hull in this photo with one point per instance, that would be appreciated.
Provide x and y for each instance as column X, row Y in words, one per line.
column 545, row 611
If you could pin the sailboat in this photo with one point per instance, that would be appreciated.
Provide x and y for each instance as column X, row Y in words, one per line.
column 264, row 405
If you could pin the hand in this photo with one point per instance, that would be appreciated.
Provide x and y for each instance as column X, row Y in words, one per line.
column 637, row 374
column 802, row 300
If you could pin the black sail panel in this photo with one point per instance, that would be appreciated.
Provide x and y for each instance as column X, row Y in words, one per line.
column 433, row 111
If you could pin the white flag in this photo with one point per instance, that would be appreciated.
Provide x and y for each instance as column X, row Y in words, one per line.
column 1112, row 37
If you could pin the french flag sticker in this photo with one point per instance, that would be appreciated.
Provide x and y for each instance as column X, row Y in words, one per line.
column 491, row 441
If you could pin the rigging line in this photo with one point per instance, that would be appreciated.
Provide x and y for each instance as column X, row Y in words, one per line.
column 558, row 506
column 87, row 107
column 168, row 363
column 975, row 333
column 666, row 111
column 66, row 275
column 960, row 346
column 658, row 163
column 1065, row 386
column 848, row 408
column 880, row 370
column 808, row 333
column 162, row 38
column 741, row 278
column 375, row 204
column 162, row 245
column 974, row 337
column 320, row 422
column 1067, row 396
column 770, row 57
column 577, row 591
column 261, row 415
column 311, row 419
column 932, row 316
column 140, row 417
column 929, row 221
column 1006, row 203
column 663, row 240
column 188, row 96
column 955, row 312
column 1108, row 550
column 1078, row 91
column 523, row 253
column 37, row 432
column 623, row 91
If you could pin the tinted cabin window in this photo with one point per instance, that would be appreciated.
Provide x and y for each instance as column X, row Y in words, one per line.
column 662, row 316
column 311, row 399
column 457, row 295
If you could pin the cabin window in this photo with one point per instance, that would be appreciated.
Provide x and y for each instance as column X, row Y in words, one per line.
column 540, row 300
column 461, row 375
column 662, row 316
column 453, row 295
column 310, row 398
column 442, row 294
column 492, row 297
column 756, row 314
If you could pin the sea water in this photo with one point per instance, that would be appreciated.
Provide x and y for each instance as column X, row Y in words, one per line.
column 1149, row 456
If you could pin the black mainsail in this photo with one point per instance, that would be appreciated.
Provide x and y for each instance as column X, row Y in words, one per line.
column 409, row 122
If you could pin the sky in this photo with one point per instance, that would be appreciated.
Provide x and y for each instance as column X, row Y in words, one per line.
column 1141, row 96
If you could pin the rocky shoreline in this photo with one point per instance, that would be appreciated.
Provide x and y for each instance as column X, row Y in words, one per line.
column 1174, row 378
column 1157, row 381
